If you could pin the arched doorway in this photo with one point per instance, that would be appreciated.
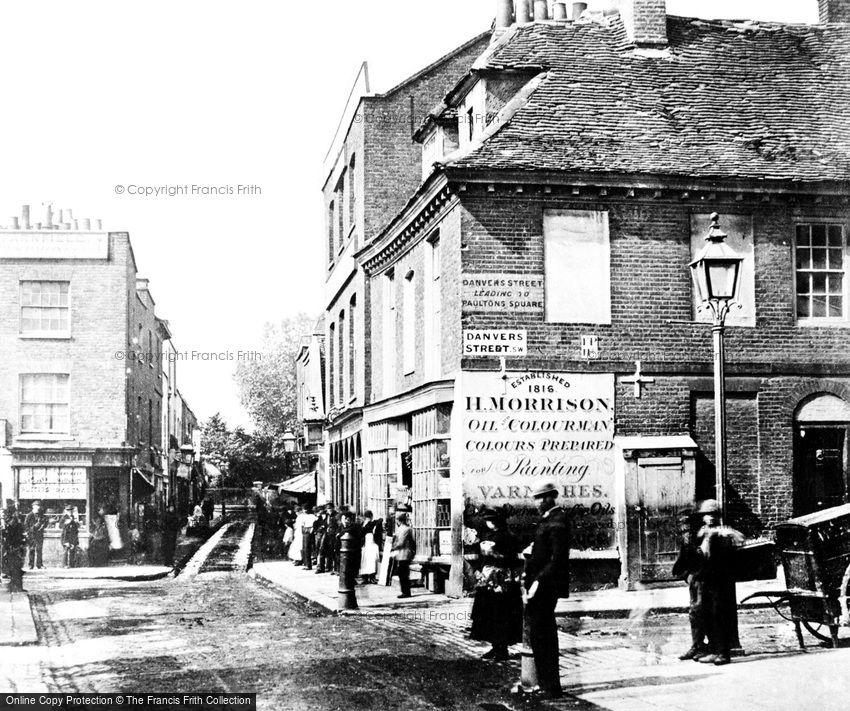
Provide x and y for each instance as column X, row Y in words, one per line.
column 821, row 429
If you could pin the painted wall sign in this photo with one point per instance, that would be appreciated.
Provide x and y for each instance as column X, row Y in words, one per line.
column 54, row 245
column 490, row 343
column 497, row 293
column 536, row 427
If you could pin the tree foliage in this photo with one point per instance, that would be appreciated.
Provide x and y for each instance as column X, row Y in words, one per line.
column 242, row 456
column 267, row 385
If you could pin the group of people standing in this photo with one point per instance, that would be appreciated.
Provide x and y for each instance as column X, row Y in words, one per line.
column 313, row 539
column 538, row 577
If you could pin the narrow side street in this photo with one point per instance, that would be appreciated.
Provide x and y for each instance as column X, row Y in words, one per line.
column 213, row 628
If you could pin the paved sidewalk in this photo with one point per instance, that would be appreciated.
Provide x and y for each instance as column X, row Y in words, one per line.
column 16, row 623
column 322, row 590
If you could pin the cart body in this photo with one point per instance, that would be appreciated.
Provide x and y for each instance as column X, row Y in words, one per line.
column 815, row 554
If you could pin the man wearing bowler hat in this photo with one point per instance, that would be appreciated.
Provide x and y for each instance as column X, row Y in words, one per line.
column 547, row 578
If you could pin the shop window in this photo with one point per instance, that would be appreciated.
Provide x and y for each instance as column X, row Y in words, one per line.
column 45, row 403
column 577, row 256
column 45, row 308
column 820, row 265
column 55, row 487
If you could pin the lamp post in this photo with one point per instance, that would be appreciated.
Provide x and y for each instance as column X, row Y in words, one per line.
column 717, row 274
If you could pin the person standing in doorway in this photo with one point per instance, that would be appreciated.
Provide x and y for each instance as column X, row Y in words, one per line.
column 403, row 551
column 99, row 541
column 14, row 547
column 547, row 578
column 35, row 524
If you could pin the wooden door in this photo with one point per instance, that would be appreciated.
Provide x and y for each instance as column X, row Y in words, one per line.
column 664, row 491
column 819, row 480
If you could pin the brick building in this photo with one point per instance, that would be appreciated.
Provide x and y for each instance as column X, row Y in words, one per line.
column 531, row 311
column 373, row 165
column 81, row 387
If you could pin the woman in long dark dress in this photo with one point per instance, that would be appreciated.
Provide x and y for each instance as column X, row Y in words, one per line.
column 99, row 542
column 497, row 608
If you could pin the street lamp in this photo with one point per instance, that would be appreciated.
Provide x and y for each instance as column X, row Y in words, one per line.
column 717, row 275
column 288, row 448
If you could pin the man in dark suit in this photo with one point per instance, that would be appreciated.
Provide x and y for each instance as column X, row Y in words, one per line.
column 35, row 524
column 547, row 578
column 403, row 550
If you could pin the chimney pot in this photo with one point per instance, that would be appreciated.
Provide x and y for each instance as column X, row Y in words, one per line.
column 523, row 12
column 504, row 13
column 87, row 224
column 578, row 8
column 559, row 11
column 541, row 10
column 15, row 225
column 25, row 217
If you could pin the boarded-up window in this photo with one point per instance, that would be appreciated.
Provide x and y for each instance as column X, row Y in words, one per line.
column 578, row 266
column 739, row 229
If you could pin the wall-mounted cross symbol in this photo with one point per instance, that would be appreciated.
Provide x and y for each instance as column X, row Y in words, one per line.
column 638, row 379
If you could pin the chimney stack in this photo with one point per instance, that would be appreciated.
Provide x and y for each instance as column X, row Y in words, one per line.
column 834, row 10
column 25, row 217
column 504, row 13
column 541, row 10
column 15, row 224
column 578, row 8
column 559, row 11
column 646, row 22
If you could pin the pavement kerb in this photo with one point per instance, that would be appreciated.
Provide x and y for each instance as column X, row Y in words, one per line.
column 17, row 636
column 313, row 605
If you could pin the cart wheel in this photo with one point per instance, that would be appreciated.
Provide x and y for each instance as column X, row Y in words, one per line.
column 821, row 631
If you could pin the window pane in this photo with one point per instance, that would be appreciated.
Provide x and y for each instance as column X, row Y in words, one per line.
column 818, row 306
column 834, row 283
column 803, row 284
column 818, row 283
column 803, row 235
column 819, row 258
column 836, row 306
column 804, row 258
column 836, row 259
column 835, row 236
column 819, row 235
column 803, row 307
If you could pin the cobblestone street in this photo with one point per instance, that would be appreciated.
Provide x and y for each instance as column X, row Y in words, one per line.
column 224, row 631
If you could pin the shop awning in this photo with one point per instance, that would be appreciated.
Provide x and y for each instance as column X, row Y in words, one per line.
column 144, row 476
column 301, row 484
column 213, row 473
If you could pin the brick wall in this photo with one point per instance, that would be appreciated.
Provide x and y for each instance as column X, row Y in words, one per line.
column 98, row 303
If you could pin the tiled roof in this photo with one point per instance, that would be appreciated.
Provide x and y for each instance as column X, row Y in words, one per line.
column 728, row 99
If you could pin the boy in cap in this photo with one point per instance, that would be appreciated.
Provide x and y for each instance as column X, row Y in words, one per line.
column 547, row 578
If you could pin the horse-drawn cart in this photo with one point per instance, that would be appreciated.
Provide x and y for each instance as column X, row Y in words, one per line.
column 815, row 554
